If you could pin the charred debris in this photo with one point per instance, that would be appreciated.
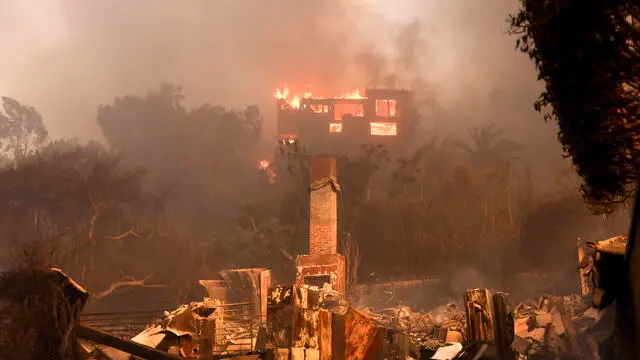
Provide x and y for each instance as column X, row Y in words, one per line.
column 244, row 316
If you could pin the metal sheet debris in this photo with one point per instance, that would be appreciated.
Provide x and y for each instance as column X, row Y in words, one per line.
column 447, row 352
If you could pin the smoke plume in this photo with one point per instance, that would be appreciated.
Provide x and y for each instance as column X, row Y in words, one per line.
column 68, row 56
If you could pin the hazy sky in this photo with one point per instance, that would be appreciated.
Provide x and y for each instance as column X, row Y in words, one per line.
column 65, row 57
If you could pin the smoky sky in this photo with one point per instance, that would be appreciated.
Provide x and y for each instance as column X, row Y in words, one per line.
column 65, row 57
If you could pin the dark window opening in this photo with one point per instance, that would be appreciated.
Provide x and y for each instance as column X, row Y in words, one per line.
column 317, row 280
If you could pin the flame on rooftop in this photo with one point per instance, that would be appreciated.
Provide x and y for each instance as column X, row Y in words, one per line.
column 293, row 99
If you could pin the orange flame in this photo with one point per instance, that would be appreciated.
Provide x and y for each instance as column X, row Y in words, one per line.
column 355, row 94
column 383, row 129
column 294, row 99
column 282, row 94
column 264, row 164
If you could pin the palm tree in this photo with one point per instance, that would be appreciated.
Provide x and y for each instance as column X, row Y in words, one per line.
column 492, row 154
column 489, row 148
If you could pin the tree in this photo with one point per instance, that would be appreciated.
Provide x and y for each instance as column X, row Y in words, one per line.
column 64, row 196
column 22, row 131
column 207, row 156
column 587, row 54
column 493, row 155
column 489, row 148
column 77, row 207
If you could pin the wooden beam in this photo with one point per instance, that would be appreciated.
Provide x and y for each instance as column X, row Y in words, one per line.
column 479, row 306
column 490, row 321
column 503, row 326
column 584, row 285
column 128, row 346
column 206, row 339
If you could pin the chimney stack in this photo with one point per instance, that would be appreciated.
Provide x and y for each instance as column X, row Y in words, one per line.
column 323, row 211
column 323, row 264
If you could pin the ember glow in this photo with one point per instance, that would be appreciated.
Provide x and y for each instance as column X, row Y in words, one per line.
column 264, row 164
column 335, row 127
column 288, row 140
column 384, row 129
column 293, row 99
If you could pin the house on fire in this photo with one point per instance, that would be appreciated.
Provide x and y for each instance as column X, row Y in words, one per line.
column 379, row 116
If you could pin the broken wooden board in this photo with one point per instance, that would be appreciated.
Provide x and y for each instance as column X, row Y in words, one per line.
column 479, row 306
column 503, row 326
column 128, row 346
column 490, row 320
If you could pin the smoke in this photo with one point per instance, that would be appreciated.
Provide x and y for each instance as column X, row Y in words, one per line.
column 226, row 52
column 65, row 57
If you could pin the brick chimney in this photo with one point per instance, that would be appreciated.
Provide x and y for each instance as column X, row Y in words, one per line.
column 323, row 264
column 323, row 210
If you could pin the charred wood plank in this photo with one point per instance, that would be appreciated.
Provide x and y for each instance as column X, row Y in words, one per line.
column 585, row 289
column 490, row 321
column 503, row 326
column 128, row 346
column 206, row 339
column 479, row 305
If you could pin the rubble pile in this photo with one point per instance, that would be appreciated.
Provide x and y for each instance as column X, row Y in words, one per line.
column 558, row 326
column 553, row 327
column 179, row 331
column 430, row 329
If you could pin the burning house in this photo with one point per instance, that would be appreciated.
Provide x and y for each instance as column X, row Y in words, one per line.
column 345, row 122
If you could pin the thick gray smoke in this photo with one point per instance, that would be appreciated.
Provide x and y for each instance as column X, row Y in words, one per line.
column 67, row 56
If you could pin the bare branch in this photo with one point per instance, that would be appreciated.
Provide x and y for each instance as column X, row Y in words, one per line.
column 96, row 212
column 286, row 254
column 126, row 282
column 125, row 234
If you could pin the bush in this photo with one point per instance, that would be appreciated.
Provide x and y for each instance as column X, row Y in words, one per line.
column 39, row 309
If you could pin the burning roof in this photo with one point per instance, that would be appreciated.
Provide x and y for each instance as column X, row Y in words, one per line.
column 294, row 99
